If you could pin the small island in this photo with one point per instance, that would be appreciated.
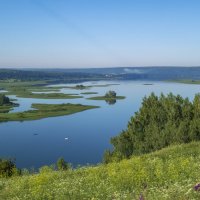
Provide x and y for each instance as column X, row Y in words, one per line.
column 110, row 97
column 45, row 110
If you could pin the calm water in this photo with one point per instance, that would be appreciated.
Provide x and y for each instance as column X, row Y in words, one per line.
column 89, row 132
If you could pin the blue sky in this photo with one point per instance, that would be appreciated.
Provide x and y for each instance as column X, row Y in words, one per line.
column 99, row 33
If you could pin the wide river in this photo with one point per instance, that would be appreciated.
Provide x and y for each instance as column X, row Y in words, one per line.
column 42, row 142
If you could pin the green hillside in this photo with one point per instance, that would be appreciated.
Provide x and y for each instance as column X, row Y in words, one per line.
column 170, row 173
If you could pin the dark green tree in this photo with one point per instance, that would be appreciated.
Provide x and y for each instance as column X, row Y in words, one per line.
column 4, row 100
column 111, row 94
column 8, row 168
column 62, row 164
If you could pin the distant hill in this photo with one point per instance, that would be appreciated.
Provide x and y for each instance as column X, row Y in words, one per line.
column 119, row 73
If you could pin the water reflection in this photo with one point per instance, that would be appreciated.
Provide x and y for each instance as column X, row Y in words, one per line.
column 111, row 101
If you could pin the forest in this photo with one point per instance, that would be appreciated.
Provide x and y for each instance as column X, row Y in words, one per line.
column 161, row 121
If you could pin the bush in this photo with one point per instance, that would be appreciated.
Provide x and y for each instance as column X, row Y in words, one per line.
column 62, row 164
column 8, row 168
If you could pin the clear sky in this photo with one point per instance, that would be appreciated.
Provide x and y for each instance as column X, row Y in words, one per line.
column 99, row 33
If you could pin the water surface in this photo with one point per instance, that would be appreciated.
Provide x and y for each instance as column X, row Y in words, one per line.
column 42, row 142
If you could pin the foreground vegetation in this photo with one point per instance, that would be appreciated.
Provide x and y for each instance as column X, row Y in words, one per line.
column 167, row 174
column 161, row 121
column 45, row 110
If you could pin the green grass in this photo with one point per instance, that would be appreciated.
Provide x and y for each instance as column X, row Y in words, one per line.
column 167, row 174
column 44, row 111
column 5, row 108
column 106, row 98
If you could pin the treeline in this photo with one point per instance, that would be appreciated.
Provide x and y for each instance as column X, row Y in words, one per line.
column 161, row 121
column 4, row 100
column 29, row 75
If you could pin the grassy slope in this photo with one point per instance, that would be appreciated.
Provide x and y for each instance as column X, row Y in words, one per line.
column 167, row 174
column 44, row 111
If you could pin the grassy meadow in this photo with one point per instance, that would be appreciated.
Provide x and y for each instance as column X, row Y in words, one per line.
column 170, row 173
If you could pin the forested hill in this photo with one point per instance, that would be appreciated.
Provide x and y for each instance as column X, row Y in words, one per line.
column 29, row 75
column 120, row 73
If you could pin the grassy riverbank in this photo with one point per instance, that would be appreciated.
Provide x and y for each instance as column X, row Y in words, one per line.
column 44, row 111
column 170, row 173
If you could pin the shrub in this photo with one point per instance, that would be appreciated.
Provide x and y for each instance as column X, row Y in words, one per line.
column 62, row 164
column 8, row 168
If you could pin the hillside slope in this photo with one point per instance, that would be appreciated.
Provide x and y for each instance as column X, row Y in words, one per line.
column 170, row 173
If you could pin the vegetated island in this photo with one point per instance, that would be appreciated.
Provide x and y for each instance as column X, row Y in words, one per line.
column 110, row 95
column 6, row 104
column 44, row 111
column 25, row 93
column 27, row 89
